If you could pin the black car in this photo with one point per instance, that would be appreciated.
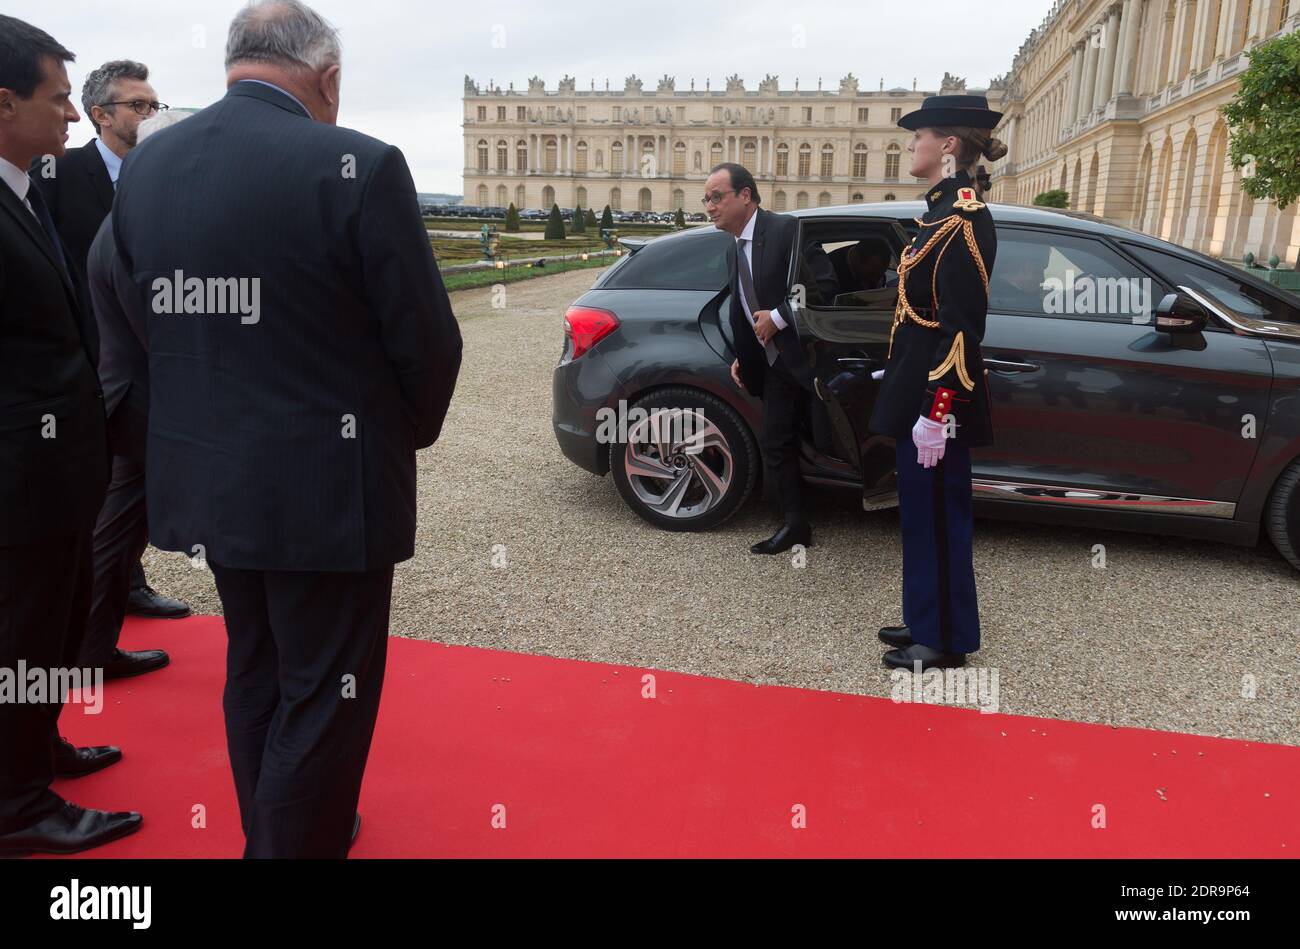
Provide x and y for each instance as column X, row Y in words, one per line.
column 1135, row 385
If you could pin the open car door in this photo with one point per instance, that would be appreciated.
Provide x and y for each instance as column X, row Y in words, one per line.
column 846, row 330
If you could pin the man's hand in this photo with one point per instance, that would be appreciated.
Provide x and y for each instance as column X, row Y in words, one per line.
column 928, row 436
column 764, row 328
column 735, row 373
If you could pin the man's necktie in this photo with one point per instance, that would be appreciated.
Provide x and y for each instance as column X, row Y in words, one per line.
column 751, row 297
column 47, row 223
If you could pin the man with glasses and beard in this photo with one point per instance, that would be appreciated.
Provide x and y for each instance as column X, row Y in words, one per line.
column 79, row 189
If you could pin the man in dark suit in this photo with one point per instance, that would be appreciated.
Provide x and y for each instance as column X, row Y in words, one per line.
column 301, row 349
column 770, row 361
column 53, row 461
column 78, row 188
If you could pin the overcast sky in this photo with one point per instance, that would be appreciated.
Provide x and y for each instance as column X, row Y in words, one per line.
column 404, row 61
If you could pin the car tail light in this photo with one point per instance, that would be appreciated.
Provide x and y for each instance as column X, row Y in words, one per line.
column 586, row 326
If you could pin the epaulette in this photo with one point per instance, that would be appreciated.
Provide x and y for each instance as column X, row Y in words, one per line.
column 966, row 200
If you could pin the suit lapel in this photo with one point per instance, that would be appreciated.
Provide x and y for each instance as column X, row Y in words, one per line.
column 27, row 221
column 99, row 178
column 760, row 234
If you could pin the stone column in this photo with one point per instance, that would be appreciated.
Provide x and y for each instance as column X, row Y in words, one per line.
column 1128, row 47
column 1110, row 39
column 1088, row 90
column 1076, row 81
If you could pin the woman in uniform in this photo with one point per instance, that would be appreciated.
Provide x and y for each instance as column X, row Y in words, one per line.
column 934, row 397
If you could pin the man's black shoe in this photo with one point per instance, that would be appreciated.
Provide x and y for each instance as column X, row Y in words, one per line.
column 125, row 664
column 73, row 762
column 143, row 601
column 68, row 830
column 784, row 539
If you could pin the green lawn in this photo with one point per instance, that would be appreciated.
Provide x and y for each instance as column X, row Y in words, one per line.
column 488, row 278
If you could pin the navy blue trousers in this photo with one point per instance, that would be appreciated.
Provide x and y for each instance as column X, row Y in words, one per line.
column 934, row 506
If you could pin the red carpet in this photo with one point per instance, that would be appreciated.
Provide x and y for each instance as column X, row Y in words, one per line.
column 585, row 766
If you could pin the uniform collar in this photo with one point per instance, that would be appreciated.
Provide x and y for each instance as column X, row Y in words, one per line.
column 946, row 188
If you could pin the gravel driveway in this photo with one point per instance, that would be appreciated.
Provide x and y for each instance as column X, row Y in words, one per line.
column 1171, row 634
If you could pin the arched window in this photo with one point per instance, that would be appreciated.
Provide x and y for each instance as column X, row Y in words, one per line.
column 503, row 156
column 643, row 200
column 860, row 160
column 552, row 150
column 748, row 156
column 501, row 196
column 824, row 199
column 521, row 197
column 482, row 155
column 857, row 198
column 482, row 196
column 679, row 199
column 548, row 197
column 616, row 159
column 679, row 158
column 615, row 199
column 580, row 157
column 715, row 154
column 582, row 197
column 780, row 201
column 801, row 199
column 890, row 197
column 828, row 161
column 783, row 160
column 892, row 154
column 805, row 160
column 521, row 156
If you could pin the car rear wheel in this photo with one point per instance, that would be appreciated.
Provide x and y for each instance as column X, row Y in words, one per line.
column 1283, row 515
column 688, row 462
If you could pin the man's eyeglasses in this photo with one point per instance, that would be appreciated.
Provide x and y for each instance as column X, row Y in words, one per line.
column 714, row 197
column 141, row 106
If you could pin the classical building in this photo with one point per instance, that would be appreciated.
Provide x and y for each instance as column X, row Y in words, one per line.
column 1117, row 103
column 652, row 149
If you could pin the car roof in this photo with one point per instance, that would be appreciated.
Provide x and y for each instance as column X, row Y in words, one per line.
column 1078, row 221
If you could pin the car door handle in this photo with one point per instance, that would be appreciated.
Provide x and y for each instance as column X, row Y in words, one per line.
column 1004, row 365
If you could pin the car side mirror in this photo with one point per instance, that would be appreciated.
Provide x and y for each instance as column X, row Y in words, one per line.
column 1180, row 313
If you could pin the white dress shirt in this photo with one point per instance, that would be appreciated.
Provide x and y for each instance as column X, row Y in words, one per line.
column 111, row 161
column 747, row 235
column 17, row 181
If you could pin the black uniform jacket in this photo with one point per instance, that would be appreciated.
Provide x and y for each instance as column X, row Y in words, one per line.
column 935, row 368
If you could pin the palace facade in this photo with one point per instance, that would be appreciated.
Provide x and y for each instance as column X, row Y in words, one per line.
column 1117, row 103
column 651, row 149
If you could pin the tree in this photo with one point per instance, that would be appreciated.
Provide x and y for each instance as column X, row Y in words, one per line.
column 607, row 219
column 555, row 225
column 579, row 222
column 681, row 220
column 512, row 218
column 591, row 218
column 1056, row 198
column 1264, row 121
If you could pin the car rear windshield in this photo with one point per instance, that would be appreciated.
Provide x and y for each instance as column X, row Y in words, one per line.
column 689, row 262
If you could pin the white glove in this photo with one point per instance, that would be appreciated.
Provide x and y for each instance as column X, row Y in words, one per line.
column 878, row 374
column 928, row 436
